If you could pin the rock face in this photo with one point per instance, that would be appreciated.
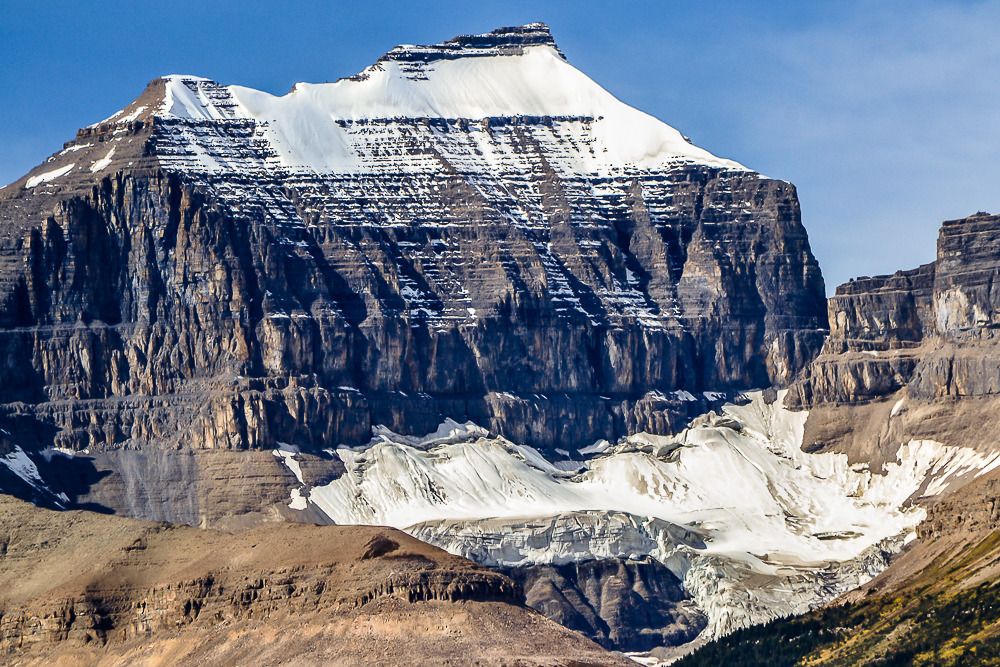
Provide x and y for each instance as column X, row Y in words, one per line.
column 156, row 594
column 884, row 312
column 217, row 268
column 911, row 356
column 632, row 605
column 932, row 329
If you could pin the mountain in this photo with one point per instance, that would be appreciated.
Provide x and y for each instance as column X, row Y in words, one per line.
column 769, row 506
column 918, row 346
column 470, row 230
column 469, row 294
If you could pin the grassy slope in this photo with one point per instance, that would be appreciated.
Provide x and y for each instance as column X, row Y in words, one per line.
column 946, row 615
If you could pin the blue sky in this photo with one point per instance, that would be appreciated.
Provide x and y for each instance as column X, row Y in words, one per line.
column 886, row 115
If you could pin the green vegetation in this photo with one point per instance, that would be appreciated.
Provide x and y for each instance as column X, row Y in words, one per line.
column 934, row 620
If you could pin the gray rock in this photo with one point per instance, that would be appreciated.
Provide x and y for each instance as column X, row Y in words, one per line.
column 157, row 304
column 932, row 330
column 628, row 605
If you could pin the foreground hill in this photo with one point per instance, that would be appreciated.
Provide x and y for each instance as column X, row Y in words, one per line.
column 78, row 588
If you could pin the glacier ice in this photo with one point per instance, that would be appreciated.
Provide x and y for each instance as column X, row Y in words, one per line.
column 752, row 525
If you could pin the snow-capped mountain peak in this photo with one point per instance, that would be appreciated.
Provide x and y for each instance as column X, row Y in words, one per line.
column 510, row 74
column 510, row 40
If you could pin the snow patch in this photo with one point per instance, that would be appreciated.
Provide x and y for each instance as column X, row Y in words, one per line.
column 897, row 407
column 184, row 98
column 103, row 163
column 132, row 116
column 598, row 447
column 448, row 432
column 48, row 176
column 287, row 456
column 334, row 127
column 74, row 148
column 305, row 123
column 298, row 502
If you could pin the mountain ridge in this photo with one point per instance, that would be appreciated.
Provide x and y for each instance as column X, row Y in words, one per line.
column 84, row 589
column 221, row 307
column 439, row 283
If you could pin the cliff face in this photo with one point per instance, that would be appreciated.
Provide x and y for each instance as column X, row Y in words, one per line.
column 884, row 312
column 911, row 356
column 217, row 268
column 932, row 329
column 954, row 297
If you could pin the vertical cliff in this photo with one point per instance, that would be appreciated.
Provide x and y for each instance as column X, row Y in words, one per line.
column 913, row 355
column 471, row 230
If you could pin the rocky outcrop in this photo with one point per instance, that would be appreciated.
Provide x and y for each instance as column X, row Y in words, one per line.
column 953, row 297
column 911, row 356
column 931, row 330
column 629, row 605
column 966, row 285
column 148, row 590
column 884, row 312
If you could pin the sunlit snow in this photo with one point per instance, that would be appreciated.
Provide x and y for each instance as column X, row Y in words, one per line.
column 312, row 127
column 102, row 164
column 48, row 176
column 788, row 528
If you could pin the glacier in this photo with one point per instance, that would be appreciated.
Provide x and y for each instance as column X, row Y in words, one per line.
column 753, row 526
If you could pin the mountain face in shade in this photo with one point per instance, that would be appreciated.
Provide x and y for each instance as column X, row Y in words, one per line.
column 473, row 230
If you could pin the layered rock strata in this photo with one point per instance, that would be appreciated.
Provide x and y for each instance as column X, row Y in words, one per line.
column 193, row 273
column 913, row 355
column 148, row 593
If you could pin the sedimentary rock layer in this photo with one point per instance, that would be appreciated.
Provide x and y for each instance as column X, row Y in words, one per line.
column 931, row 330
column 94, row 589
column 193, row 273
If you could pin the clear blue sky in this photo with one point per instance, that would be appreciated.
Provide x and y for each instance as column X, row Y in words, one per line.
column 886, row 115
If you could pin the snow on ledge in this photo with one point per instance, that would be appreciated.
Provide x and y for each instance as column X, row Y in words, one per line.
column 48, row 176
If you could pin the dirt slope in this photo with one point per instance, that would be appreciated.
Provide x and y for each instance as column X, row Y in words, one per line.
column 78, row 588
